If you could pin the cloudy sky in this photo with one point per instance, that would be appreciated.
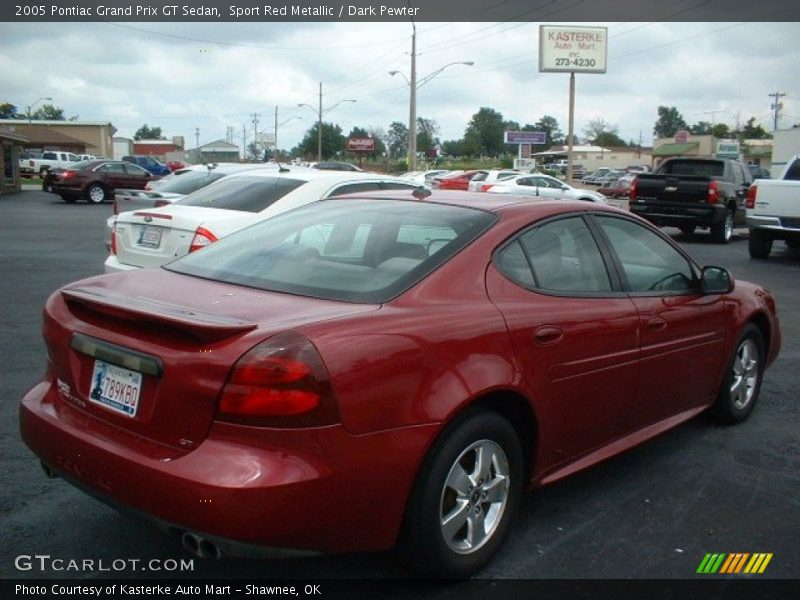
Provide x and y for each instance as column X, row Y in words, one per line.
column 211, row 76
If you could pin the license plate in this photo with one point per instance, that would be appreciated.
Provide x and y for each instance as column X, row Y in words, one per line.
column 115, row 388
column 149, row 237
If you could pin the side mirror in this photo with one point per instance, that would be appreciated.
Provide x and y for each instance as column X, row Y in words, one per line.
column 716, row 280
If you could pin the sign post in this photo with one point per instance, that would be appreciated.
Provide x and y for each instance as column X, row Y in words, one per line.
column 360, row 146
column 524, row 140
column 572, row 50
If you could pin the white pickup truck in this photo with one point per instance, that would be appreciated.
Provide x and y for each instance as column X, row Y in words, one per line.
column 51, row 159
column 773, row 210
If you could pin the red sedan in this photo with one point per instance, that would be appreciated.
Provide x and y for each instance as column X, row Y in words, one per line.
column 371, row 372
column 459, row 181
column 95, row 180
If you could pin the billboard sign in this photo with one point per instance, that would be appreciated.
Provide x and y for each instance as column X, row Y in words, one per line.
column 366, row 144
column 564, row 49
column 526, row 137
column 681, row 137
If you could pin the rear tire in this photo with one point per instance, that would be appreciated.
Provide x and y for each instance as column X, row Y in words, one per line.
column 742, row 383
column 69, row 199
column 722, row 232
column 464, row 498
column 759, row 243
column 687, row 229
column 96, row 193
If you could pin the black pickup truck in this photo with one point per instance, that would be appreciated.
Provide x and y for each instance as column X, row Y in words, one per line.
column 694, row 192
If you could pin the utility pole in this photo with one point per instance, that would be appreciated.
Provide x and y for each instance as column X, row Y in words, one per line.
column 412, row 112
column 319, row 126
column 776, row 107
column 244, row 140
column 275, row 151
column 197, row 138
column 255, row 133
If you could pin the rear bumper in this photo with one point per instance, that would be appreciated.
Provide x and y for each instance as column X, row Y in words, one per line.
column 776, row 224
column 677, row 215
column 113, row 265
column 319, row 490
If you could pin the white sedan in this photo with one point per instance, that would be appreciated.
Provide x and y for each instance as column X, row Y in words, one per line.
column 544, row 186
column 154, row 237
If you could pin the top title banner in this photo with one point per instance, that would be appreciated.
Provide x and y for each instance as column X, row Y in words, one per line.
column 586, row 11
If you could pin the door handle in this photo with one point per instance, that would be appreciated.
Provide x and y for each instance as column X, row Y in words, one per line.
column 656, row 323
column 548, row 334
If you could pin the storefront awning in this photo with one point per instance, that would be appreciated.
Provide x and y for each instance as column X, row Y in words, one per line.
column 674, row 149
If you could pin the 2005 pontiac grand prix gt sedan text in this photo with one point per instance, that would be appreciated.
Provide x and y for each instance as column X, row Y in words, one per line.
column 381, row 371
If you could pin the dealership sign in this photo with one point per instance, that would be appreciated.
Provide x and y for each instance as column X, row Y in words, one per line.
column 526, row 137
column 727, row 149
column 572, row 49
column 361, row 144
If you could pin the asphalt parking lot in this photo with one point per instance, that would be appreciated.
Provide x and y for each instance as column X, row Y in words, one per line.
column 653, row 512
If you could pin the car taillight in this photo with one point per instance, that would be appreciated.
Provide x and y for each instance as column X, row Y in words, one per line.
column 751, row 196
column 486, row 187
column 281, row 382
column 202, row 238
column 67, row 174
column 713, row 192
column 113, row 247
column 632, row 191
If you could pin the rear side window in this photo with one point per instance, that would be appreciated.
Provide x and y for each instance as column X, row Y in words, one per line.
column 246, row 193
column 793, row 172
column 696, row 168
column 355, row 250
column 189, row 182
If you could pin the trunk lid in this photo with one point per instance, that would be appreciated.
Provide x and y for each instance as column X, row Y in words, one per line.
column 153, row 237
column 150, row 351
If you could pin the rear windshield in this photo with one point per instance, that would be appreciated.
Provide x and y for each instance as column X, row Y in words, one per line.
column 247, row 193
column 189, row 182
column 695, row 168
column 354, row 250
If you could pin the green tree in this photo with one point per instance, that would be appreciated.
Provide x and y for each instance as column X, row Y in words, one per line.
column 609, row 139
column 550, row 126
column 427, row 134
column 453, row 147
column 8, row 111
column 48, row 112
column 751, row 131
column 600, row 128
column 484, row 134
column 333, row 142
column 397, row 139
column 146, row 132
column 669, row 122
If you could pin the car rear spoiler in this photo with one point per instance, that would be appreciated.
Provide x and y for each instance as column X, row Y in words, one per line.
column 204, row 326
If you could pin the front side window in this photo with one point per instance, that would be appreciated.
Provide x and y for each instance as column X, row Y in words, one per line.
column 650, row 263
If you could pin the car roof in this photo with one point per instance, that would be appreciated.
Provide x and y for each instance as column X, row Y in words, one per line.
column 308, row 174
column 495, row 203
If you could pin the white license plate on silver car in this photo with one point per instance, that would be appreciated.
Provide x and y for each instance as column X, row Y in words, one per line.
column 115, row 388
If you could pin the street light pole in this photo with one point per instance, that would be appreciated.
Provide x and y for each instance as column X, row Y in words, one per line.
column 414, row 86
column 319, row 112
column 30, row 106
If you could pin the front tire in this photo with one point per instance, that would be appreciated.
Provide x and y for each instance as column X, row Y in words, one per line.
column 96, row 193
column 464, row 498
column 722, row 232
column 742, row 383
column 759, row 243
